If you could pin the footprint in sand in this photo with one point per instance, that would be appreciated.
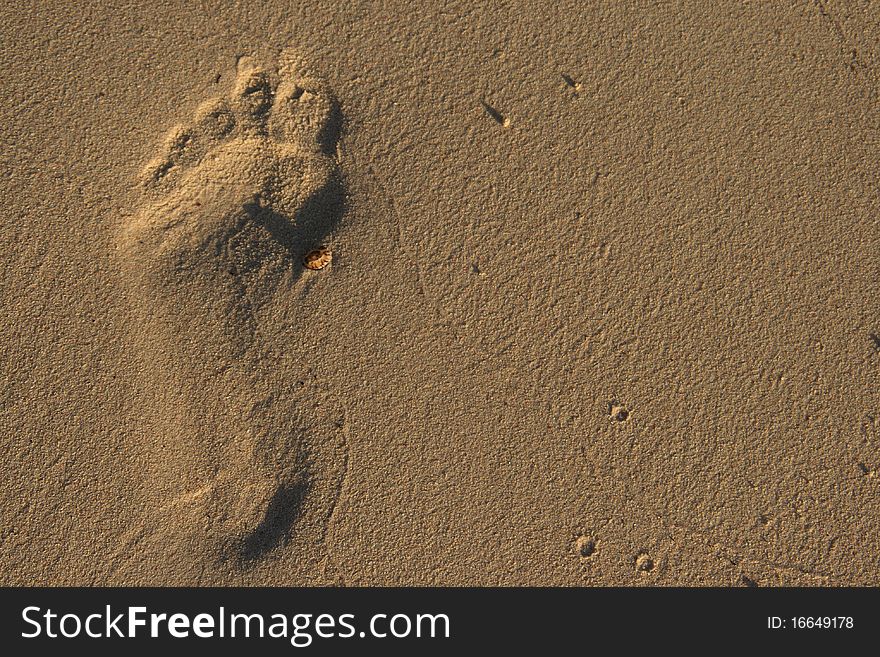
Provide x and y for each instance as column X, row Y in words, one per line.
column 245, row 446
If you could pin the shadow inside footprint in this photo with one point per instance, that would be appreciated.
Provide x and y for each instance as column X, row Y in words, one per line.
column 332, row 130
column 284, row 509
column 311, row 225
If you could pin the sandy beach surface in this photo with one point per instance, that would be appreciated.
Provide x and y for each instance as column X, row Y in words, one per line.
column 441, row 293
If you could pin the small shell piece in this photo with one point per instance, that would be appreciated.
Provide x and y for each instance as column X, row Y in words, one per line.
column 317, row 259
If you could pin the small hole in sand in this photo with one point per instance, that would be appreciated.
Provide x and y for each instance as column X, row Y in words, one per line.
column 617, row 411
column 748, row 581
column 585, row 546
column 644, row 563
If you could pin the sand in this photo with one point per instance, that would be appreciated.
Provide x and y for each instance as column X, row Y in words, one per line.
column 591, row 295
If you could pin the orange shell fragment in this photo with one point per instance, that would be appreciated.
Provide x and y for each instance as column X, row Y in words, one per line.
column 317, row 259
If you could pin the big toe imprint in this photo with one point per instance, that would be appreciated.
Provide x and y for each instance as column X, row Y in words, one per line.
column 235, row 200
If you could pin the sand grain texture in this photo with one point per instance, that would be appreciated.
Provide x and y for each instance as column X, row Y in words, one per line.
column 602, row 305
